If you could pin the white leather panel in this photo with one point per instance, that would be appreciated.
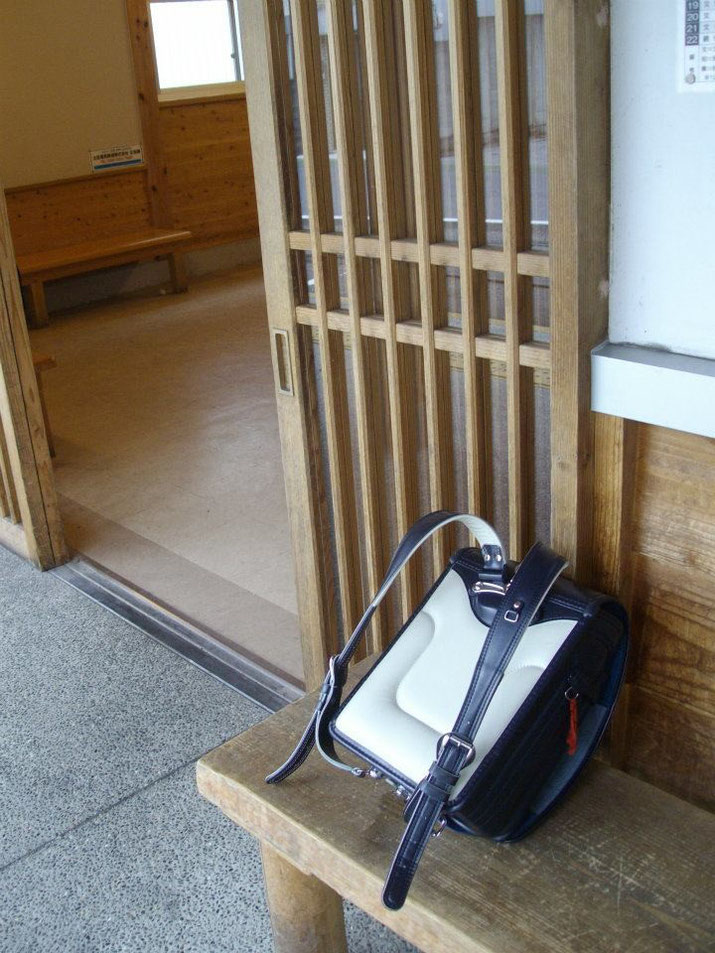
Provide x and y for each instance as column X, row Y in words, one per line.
column 414, row 694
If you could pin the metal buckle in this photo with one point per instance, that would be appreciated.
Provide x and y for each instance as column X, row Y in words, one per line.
column 460, row 743
column 439, row 827
column 512, row 615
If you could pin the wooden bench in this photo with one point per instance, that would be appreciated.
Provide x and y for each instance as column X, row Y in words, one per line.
column 38, row 267
column 620, row 865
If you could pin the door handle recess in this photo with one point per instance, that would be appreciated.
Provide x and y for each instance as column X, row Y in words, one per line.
column 283, row 364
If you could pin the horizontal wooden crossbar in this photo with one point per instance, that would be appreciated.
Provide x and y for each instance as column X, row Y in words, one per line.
column 490, row 347
column 530, row 264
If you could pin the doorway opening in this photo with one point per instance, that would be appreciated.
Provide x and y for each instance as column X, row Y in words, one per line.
column 168, row 463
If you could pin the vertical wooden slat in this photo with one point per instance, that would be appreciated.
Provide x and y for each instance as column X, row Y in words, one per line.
column 425, row 164
column 284, row 110
column 317, row 178
column 466, row 114
column 147, row 84
column 577, row 74
column 383, row 115
column 615, row 464
column 263, row 32
column 8, row 497
column 346, row 107
column 507, row 19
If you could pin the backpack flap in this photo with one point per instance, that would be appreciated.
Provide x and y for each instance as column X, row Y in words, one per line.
column 413, row 694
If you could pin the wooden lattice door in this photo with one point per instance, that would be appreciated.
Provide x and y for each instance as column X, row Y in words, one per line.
column 432, row 188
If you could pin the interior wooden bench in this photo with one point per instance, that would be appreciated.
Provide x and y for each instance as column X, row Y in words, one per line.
column 38, row 267
column 618, row 866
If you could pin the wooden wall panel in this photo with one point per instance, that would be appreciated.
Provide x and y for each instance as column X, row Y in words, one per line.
column 675, row 499
column 208, row 153
column 55, row 214
column 674, row 621
column 210, row 176
column 671, row 711
column 671, row 747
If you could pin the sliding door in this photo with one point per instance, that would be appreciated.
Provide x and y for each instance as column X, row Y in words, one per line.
column 432, row 184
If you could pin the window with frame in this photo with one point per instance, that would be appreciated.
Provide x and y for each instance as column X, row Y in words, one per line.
column 197, row 46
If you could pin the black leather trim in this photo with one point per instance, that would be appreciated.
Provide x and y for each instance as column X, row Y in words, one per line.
column 530, row 585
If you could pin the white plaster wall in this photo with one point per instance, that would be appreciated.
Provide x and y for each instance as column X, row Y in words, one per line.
column 66, row 87
column 663, row 188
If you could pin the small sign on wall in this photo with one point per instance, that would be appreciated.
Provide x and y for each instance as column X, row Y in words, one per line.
column 696, row 45
column 117, row 157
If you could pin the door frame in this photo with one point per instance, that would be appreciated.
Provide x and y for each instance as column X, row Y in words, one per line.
column 30, row 521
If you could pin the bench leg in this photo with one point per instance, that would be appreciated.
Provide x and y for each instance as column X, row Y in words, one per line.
column 306, row 914
column 177, row 267
column 39, row 318
column 45, row 415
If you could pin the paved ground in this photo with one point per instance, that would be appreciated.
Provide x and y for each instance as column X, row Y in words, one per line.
column 104, row 843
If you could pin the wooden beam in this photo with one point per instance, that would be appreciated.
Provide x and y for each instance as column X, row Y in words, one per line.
column 320, row 208
column 145, row 76
column 27, row 469
column 306, row 915
column 489, row 347
column 428, row 214
column 384, row 117
column 508, row 15
column 466, row 113
column 263, row 31
column 354, row 218
column 615, row 455
column 577, row 74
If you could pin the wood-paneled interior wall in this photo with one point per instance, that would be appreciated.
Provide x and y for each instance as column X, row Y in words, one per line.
column 210, row 176
column 74, row 210
column 672, row 666
column 210, row 179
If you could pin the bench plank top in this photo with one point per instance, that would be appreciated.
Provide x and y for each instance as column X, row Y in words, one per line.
column 143, row 242
column 619, row 866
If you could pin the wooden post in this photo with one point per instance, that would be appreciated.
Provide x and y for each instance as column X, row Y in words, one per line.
column 177, row 269
column 261, row 27
column 148, row 97
column 306, row 914
column 39, row 318
column 577, row 70
column 26, row 466
column 615, row 451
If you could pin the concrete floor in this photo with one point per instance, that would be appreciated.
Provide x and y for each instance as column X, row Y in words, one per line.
column 105, row 844
column 168, row 458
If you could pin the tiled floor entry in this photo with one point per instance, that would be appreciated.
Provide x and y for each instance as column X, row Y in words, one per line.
column 168, row 457
column 105, row 844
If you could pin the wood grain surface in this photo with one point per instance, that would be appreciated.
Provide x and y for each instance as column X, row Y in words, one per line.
column 88, row 208
column 29, row 495
column 209, row 169
column 620, row 866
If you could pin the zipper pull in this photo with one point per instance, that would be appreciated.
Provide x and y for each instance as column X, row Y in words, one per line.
column 572, row 735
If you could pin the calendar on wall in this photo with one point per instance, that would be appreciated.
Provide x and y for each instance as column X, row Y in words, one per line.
column 696, row 45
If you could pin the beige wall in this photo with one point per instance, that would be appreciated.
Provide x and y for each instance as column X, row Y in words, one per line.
column 66, row 87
